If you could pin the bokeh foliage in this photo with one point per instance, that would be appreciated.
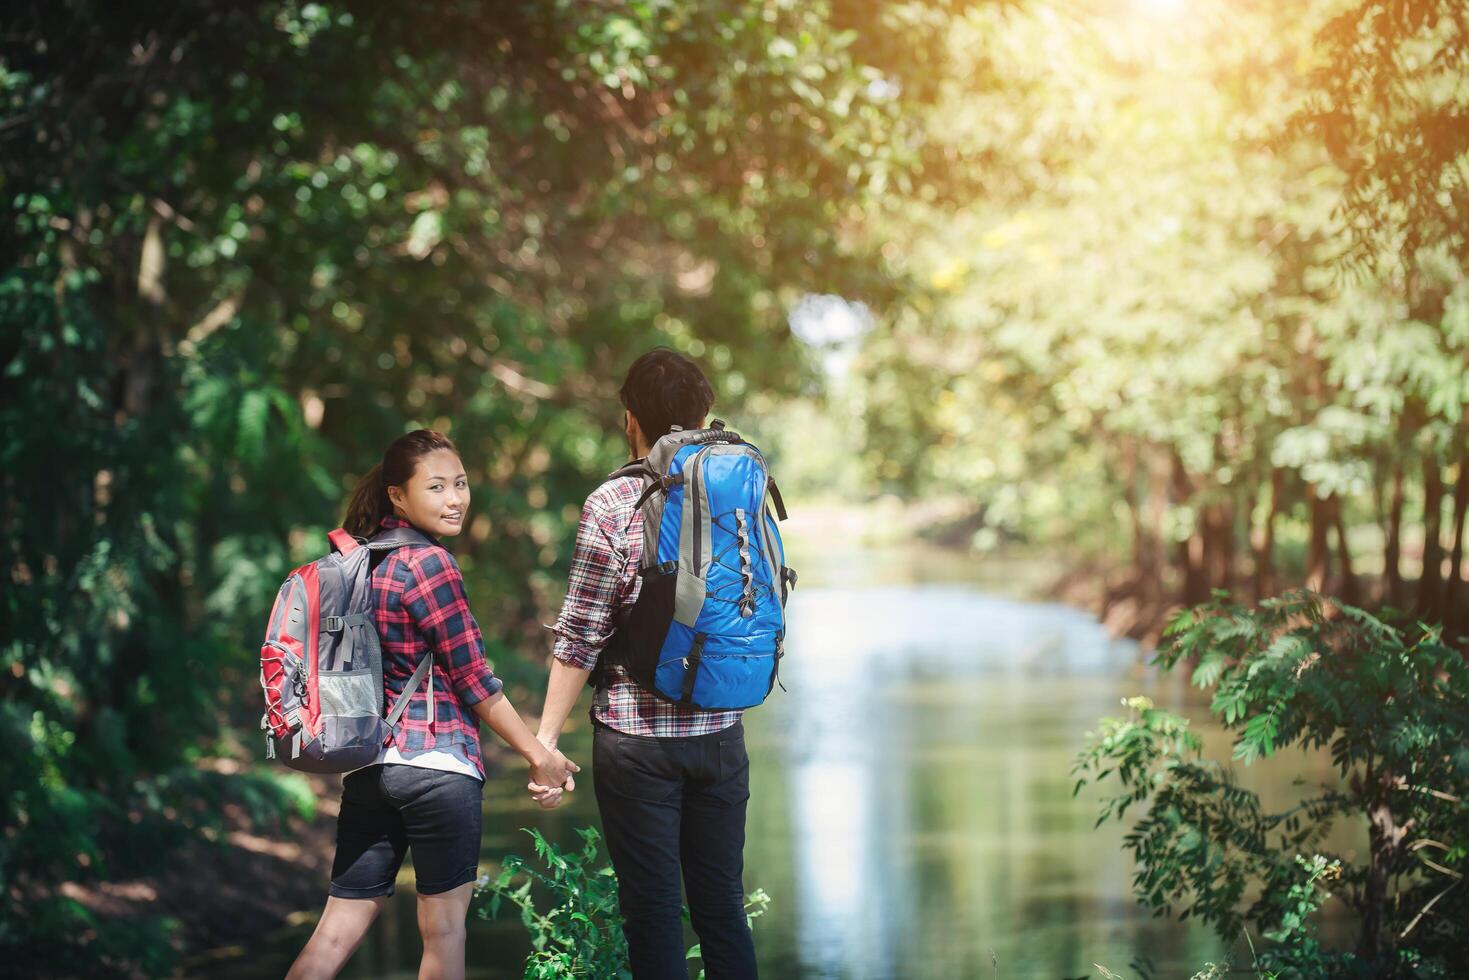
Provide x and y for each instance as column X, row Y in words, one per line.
column 1214, row 320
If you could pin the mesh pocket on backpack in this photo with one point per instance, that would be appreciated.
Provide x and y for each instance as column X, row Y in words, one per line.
column 357, row 694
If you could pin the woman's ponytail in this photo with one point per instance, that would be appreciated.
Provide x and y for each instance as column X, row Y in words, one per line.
column 368, row 505
column 369, row 502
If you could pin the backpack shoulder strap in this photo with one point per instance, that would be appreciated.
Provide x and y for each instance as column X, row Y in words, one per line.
column 780, row 504
column 639, row 468
column 396, row 538
column 383, row 543
column 419, row 673
column 343, row 541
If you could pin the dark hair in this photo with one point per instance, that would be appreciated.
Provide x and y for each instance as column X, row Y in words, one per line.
column 369, row 503
column 663, row 389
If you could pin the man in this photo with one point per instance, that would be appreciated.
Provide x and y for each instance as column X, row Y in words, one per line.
column 672, row 782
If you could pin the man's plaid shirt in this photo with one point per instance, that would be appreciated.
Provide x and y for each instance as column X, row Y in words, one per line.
column 419, row 606
column 604, row 578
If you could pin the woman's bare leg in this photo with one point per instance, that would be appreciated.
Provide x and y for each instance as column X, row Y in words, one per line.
column 441, row 923
column 338, row 934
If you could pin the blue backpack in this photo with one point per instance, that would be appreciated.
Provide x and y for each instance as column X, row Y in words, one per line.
column 708, row 628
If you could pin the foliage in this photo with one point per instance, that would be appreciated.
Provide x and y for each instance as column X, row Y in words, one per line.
column 1296, row 953
column 580, row 933
column 1303, row 672
column 252, row 242
column 1389, row 103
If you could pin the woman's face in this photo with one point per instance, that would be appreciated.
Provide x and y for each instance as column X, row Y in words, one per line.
column 436, row 497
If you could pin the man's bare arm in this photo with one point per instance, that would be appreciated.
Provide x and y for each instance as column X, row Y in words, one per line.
column 562, row 691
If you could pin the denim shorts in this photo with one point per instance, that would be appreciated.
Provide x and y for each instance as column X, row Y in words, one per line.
column 388, row 809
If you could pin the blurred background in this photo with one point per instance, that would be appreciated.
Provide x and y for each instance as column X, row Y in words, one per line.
column 1051, row 316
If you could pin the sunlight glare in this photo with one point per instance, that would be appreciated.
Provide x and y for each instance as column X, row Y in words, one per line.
column 1161, row 8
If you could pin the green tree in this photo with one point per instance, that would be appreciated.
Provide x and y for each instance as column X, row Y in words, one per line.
column 1145, row 346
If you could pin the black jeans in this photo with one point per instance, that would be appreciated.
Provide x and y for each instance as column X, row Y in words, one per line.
column 672, row 805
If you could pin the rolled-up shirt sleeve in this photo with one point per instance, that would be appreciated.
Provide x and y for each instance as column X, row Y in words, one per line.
column 440, row 609
column 595, row 588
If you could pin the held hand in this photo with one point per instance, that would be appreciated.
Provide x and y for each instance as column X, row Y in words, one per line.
column 549, row 797
column 546, row 793
column 553, row 770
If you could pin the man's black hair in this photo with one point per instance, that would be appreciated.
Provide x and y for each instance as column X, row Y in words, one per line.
column 663, row 389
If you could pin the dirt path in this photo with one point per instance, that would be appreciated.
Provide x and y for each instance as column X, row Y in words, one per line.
column 233, row 889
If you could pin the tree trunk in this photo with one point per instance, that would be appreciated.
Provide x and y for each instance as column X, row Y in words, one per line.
column 1318, row 558
column 1393, row 555
column 1227, row 516
column 1249, row 503
column 1461, row 506
column 1136, row 529
column 1207, row 531
column 1385, row 854
column 1190, row 552
column 1219, row 527
column 1264, row 544
column 1430, row 583
column 1195, row 581
column 1454, row 612
column 1350, row 593
column 1216, row 535
column 1157, row 520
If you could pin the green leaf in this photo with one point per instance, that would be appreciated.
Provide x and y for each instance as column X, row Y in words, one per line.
column 252, row 418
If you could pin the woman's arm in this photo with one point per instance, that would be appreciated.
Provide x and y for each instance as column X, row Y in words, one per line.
column 548, row 767
column 440, row 609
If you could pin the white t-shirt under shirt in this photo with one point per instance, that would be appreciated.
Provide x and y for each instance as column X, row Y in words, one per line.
column 452, row 759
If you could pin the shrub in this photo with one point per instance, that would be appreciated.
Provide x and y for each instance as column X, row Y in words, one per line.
column 580, row 933
column 1392, row 707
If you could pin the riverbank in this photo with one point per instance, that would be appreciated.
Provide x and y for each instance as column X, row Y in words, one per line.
column 1111, row 594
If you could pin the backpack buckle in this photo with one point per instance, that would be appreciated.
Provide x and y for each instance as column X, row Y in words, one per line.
column 333, row 624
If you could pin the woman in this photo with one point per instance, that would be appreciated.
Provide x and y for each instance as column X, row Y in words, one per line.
column 424, row 790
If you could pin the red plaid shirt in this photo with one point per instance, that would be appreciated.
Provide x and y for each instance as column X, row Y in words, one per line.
column 419, row 606
column 604, row 577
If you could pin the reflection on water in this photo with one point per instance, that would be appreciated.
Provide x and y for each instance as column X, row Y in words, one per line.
column 888, row 734
column 912, row 812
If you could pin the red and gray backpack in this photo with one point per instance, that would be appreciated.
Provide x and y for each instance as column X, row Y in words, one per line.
column 321, row 664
